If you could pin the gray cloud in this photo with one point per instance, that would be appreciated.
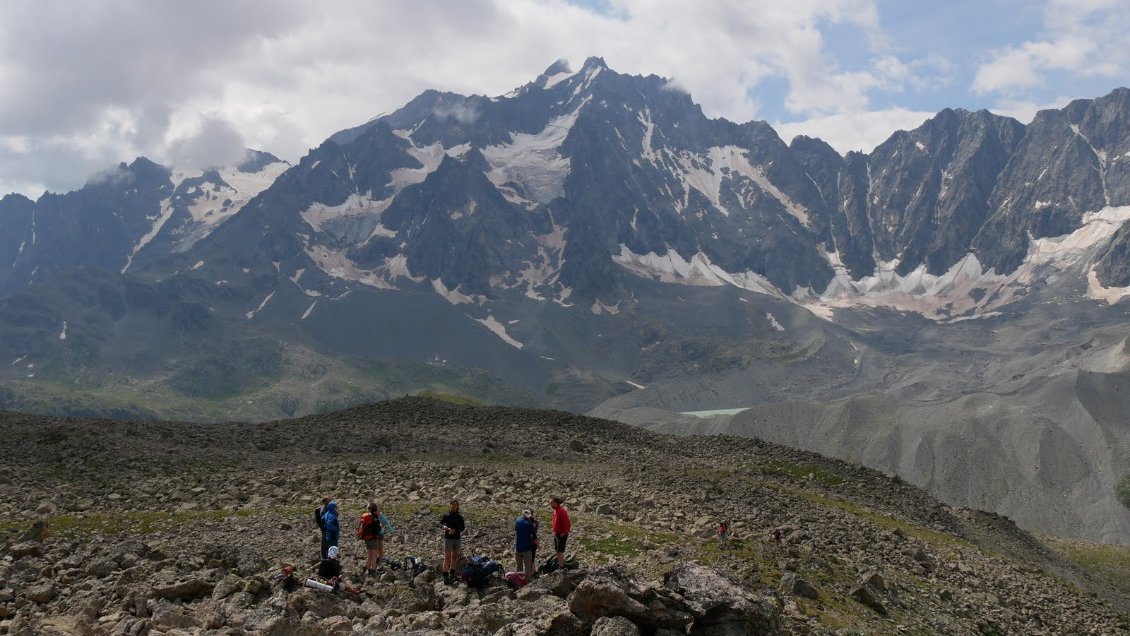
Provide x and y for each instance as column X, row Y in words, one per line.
column 216, row 144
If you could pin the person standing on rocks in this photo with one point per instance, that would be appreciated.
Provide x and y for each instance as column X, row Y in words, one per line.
column 318, row 513
column 561, row 526
column 453, row 526
column 375, row 526
column 331, row 527
column 524, row 534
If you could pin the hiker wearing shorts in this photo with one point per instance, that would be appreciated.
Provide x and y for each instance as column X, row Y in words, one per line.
column 374, row 527
column 453, row 526
column 561, row 526
column 524, row 543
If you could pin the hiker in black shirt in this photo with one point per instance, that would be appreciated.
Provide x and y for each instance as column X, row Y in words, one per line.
column 453, row 526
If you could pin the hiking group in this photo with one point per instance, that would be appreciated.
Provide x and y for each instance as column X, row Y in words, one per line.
column 374, row 527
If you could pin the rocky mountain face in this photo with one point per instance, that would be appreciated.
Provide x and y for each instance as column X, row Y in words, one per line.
column 116, row 527
column 129, row 213
column 593, row 240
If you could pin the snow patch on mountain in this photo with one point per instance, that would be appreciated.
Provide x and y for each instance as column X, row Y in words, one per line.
column 309, row 310
column 251, row 314
column 429, row 157
column 337, row 264
column 318, row 214
column 454, row 296
column 699, row 270
column 498, row 329
column 707, row 173
column 162, row 218
column 647, row 151
column 533, row 161
column 967, row 289
column 216, row 204
column 557, row 78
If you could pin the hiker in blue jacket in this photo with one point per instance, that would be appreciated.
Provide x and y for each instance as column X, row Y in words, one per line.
column 524, row 536
column 330, row 524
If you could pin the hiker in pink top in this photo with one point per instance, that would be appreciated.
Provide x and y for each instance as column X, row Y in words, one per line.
column 560, row 526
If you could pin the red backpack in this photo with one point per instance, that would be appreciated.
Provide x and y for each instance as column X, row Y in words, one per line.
column 370, row 527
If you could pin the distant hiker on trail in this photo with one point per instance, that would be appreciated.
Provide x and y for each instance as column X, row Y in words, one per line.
column 524, row 534
column 723, row 533
column 453, row 527
column 318, row 512
column 374, row 527
column 331, row 528
column 561, row 526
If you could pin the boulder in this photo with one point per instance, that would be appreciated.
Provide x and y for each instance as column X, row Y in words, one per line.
column 228, row 586
column 40, row 593
column 596, row 598
column 168, row 618
column 791, row 583
column 614, row 626
column 26, row 548
column 868, row 595
column 189, row 590
column 720, row 604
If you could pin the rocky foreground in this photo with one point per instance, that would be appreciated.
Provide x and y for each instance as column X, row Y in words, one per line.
column 177, row 529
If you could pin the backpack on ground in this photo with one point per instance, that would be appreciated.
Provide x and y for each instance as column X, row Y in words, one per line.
column 515, row 580
column 478, row 571
column 550, row 564
column 414, row 565
column 370, row 528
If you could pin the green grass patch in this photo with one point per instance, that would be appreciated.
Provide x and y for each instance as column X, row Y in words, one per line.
column 1122, row 491
column 933, row 537
column 803, row 472
column 1110, row 563
column 112, row 524
column 613, row 546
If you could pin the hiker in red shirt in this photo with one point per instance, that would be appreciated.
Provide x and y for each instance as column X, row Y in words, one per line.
column 560, row 526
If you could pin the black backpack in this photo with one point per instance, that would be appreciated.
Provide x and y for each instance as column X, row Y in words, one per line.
column 318, row 518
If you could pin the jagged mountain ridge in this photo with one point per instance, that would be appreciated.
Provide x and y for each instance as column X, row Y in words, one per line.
column 574, row 181
column 123, row 217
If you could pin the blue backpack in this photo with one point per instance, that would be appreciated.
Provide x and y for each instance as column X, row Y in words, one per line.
column 478, row 571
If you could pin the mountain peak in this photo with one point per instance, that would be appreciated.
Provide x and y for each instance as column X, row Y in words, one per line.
column 594, row 62
column 560, row 66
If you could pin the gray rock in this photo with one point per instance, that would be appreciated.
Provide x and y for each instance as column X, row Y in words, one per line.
column 595, row 598
column 228, row 586
column 40, row 593
column 189, row 590
column 869, row 596
column 791, row 583
column 614, row 626
column 27, row 548
column 719, row 604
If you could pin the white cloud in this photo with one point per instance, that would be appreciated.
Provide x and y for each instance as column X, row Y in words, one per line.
column 90, row 84
column 118, row 78
column 860, row 131
column 1084, row 37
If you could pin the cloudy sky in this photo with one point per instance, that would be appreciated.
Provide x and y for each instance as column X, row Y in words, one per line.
column 89, row 84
